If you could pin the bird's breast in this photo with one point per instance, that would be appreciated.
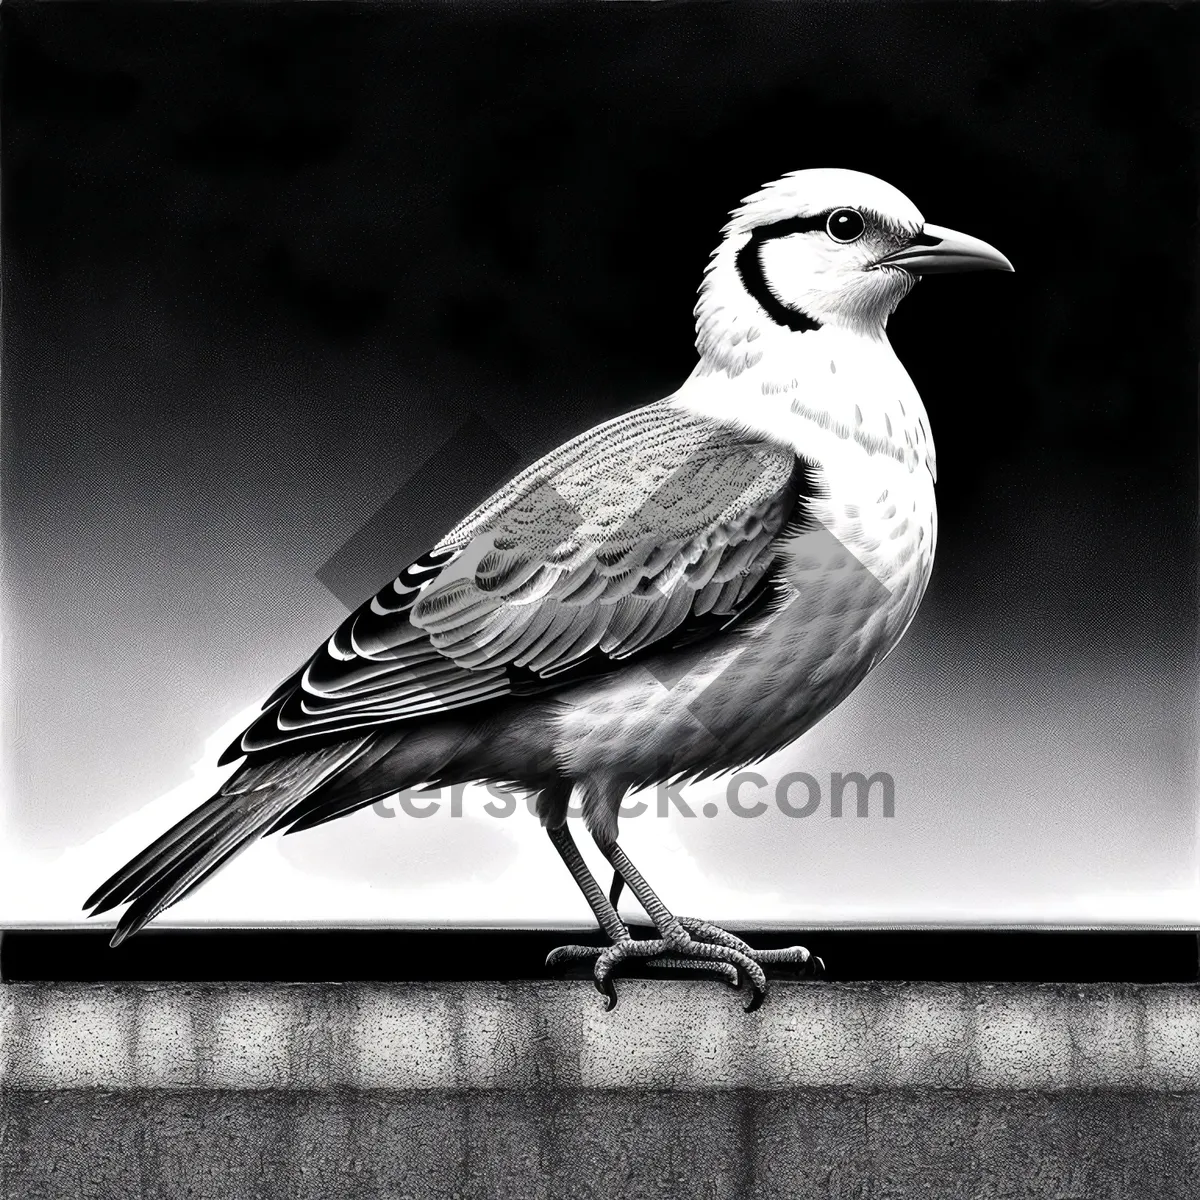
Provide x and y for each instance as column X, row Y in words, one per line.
column 863, row 559
column 868, row 544
column 846, row 405
column 853, row 572
column 851, row 579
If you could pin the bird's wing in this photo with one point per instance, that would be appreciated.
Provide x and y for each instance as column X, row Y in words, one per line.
column 655, row 525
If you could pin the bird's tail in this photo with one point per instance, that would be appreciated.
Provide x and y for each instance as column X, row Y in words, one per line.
column 249, row 805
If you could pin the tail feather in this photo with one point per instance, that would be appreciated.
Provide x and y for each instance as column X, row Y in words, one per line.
column 174, row 869
column 339, row 805
column 360, row 783
column 170, row 885
column 352, row 788
column 248, row 806
column 173, row 844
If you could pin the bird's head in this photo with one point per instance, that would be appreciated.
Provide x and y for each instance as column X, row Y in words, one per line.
column 817, row 248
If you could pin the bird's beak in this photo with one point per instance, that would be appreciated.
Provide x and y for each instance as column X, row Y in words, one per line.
column 935, row 250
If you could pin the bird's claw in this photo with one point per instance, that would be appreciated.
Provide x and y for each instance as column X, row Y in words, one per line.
column 707, row 932
column 790, row 955
column 560, row 956
column 706, row 948
column 608, row 989
column 691, row 955
column 727, row 971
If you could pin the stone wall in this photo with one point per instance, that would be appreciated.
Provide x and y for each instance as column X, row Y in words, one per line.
column 531, row 1089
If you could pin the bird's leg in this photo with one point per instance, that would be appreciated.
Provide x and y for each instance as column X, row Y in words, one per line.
column 707, row 932
column 688, row 938
column 610, row 923
column 606, row 914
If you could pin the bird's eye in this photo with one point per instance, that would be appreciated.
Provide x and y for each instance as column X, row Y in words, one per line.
column 845, row 225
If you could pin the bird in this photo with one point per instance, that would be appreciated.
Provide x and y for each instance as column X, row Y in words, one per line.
column 675, row 593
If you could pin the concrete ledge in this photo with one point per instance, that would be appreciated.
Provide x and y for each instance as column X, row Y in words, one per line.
column 807, row 1144
column 531, row 1090
column 689, row 1036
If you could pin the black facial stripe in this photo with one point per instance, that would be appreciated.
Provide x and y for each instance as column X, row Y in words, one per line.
column 749, row 263
column 750, row 270
column 925, row 239
column 790, row 225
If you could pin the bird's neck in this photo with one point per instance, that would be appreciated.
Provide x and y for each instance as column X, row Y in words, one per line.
column 830, row 391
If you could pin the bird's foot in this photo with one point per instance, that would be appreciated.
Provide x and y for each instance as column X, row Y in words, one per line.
column 813, row 967
column 607, row 962
column 684, row 953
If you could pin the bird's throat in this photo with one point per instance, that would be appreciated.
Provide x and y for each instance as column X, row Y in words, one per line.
column 831, row 388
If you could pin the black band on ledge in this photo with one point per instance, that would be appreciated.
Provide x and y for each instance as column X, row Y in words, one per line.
column 303, row 956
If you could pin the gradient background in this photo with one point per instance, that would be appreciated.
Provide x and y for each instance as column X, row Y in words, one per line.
column 260, row 264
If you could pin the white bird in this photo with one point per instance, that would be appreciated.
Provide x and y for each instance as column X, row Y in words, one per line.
column 674, row 593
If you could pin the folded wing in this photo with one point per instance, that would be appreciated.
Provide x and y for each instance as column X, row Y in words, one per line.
column 655, row 526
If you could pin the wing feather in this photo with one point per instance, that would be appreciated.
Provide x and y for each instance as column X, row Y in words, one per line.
column 637, row 532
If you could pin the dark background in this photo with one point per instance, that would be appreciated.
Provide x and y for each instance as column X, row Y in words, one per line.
column 261, row 262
